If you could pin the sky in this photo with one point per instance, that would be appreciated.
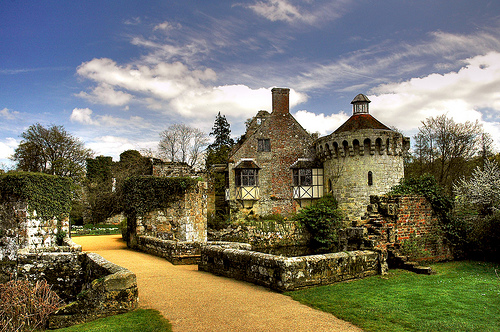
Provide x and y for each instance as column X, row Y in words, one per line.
column 116, row 74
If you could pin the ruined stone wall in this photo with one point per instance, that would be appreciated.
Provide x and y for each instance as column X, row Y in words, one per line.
column 349, row 157
column 172, row 169
column 184, row 220
column 21, row 229
column 394, row 220
column 286, row 274
column 263, row 234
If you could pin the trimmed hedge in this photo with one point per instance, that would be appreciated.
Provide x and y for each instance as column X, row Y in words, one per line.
column 48, row 195
column 142, row 194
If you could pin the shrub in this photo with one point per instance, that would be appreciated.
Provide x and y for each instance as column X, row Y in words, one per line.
column 25, row 306
column 323, row 220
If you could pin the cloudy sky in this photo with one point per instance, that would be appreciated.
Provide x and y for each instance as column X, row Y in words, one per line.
column 117, row 73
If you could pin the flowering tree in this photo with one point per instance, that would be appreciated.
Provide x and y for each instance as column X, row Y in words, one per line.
column 482, row 190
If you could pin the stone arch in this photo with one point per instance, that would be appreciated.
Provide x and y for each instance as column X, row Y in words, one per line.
column 388, row 146
column 356, row 147
column 329, row 187
column 328, row 152
column 367, row 145
column 345, row 148
column 336, row 149
column 378, row 146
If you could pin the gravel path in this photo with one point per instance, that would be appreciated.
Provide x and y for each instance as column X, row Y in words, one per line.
column 193, row 300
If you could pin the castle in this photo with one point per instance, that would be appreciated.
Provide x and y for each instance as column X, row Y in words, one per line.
column 278, row 167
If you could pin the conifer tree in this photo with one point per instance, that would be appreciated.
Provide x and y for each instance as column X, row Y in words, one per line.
column 218, row 151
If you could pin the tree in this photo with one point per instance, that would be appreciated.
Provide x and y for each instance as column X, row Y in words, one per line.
column 444, row 149
column 53, row 151
column 218, row 151
column 182, row 143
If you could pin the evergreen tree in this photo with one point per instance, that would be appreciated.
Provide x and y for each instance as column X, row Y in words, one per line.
column 218, row 151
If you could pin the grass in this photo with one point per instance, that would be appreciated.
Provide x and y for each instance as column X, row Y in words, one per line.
column 99, row 229
column 144, row 320
column 462, row 296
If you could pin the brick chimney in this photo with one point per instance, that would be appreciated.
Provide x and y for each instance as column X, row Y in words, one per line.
column 281, row 100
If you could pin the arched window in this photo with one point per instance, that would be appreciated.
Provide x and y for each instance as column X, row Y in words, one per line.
column 370, row 178
column 367, row 146
column 335, row 150
column 345, row 145
column 378, row 146
column 355, row 145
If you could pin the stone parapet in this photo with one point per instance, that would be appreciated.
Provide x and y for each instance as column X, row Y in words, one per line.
column 286, row 274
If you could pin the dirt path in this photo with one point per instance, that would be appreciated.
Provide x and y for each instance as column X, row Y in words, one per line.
column 193, row 300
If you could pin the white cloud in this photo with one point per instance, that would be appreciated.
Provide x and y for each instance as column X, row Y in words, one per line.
column 84, row 116
column 465, row 95
column 113, row 146
column 319, row 122
column 301, row 11
column 8, row 114
column 105, row 94
column 7, row 147
column 166, row 26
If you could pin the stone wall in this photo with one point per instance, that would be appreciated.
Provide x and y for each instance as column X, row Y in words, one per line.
column 394, row 220
column 286, row 274
column 184, row 220
column 263, row 234
column 172, row 169
column 108, row 290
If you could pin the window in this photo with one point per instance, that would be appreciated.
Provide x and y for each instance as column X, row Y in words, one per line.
column 246, row 177
column 370, row 178
column 264, row 145
column 302, row 177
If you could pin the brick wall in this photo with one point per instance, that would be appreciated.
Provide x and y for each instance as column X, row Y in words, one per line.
column 394, row 220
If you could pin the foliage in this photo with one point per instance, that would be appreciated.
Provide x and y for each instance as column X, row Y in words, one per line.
column 182, row 143
column 144, row 320
column 48, row 195
column 103, row 201
column 444, row 149
column 25, row 306
column 92, row 229
column 322, row 220
column 52, row 151
column 142, row 194
column 482, row 191
column 463, row 296
column 414, row 247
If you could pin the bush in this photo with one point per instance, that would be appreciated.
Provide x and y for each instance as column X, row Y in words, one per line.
column 25, row 306
column 323, row 220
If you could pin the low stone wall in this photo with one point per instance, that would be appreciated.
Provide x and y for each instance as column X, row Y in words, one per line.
column 179, row 252
column 92, row 286
column 109, row 290
column 286, row 274
column 263, row 234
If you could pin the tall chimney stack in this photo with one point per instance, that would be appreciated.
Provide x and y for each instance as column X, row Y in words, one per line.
column 281, row 100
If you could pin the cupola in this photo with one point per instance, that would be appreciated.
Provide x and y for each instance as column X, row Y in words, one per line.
column 360, row 104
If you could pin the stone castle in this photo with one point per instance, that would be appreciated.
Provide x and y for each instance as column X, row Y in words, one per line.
column 278, row 167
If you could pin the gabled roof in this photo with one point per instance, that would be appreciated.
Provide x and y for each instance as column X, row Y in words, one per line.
column 361, row 121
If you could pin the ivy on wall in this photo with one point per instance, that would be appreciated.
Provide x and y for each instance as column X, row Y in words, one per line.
column 48, row 195
column 142, row 194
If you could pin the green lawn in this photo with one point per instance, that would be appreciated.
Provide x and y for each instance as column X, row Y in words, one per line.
column 462, row 296
column 138, row 320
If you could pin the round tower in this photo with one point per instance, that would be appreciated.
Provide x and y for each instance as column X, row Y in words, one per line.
column 362, row 157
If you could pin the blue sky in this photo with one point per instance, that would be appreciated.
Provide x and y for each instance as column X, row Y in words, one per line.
column 117, row 73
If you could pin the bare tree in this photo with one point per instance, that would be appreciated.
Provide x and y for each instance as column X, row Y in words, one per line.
column 182, row 143
column 443, row 148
